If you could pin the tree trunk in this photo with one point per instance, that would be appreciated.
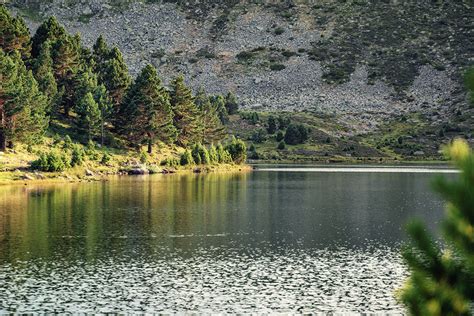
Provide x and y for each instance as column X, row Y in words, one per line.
column 150, row 145
column 3, row 141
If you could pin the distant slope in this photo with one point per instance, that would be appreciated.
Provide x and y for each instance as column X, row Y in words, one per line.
column 366, row 61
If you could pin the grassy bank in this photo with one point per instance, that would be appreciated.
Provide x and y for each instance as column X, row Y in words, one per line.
column 16, row 164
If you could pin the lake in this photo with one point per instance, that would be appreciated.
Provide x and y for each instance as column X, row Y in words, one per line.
column 278, row 239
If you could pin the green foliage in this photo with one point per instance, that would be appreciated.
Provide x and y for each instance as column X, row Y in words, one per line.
column 281, row 145
column 237, row 150
column 68, row 144
column 186, row 158
column 218, row 102
column 252, row 117
column 89, row 115
column 277, row 67
column 213, row 157
column 441, row 281
column 187, row 119
column 223, row 155
column 52, row 161
column 259, row 136
column 212, row 128
column 77, row 155
column 231, row 103
column 280, row 136
column 170, row 162
column 106, row 158
column 283, row 122
column 200, row 154
column 296, row 134
column 22, row 105
column 272, row 126
column 15, row 35
column 146, row 114
column 279, row 31
column 49, row 30
column 143, row 157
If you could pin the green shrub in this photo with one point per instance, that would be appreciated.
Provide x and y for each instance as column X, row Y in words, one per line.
column 259, row 136
column 77, row 155
column 279, row 30
column 280, row 136
column 281, row 145
column 277, row 67
column 237, row 150
column 296, row 134
column 170, row 162
column 143, row 157
column 223, row 155
column 200, row 154
column 106, row 158
column 52, row 161
column 186, row 158
column 213, row 154
column 67, row 142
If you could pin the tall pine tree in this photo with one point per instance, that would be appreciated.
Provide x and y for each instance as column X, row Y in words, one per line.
column 114, row 75
column 212, row 128
column 22, row 105
column 43, row 72
column 49, row 30
column 146, row 114
column 187, row 119
column 14, row 34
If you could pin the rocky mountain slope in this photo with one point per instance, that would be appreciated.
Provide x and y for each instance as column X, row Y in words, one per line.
column 363, row 60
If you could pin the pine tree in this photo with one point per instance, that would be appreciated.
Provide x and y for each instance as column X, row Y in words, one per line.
column 218, row 102
column 14, row 34
column 231, row 103
column 43, row 72
column 22, row 105
column 145, row 113
column 89, row 115
column 212, row 128
column 271, row 125
column 101, row 52
column 114, row 75
column 49, row 30
column 442, row 280
column 187, row 118
column 66, row 61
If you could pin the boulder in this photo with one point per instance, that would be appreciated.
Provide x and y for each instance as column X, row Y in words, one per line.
column 89, row 173
column 138, row 171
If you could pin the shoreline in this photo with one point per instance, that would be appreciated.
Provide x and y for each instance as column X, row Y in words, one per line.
column 20, row 177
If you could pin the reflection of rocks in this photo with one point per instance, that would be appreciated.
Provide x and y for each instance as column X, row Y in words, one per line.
column 138, row 171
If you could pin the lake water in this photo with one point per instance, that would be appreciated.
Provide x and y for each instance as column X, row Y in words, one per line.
column 271, row 240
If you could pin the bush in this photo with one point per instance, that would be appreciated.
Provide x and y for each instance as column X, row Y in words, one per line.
column 277, row 67
column 259, row 136
column 67, row 142
column 223, row 155
column 237, row 150
column 143, row 157
column 77, row 155
column 105, row 159
column 213, row 154
column 296, row 134
column 271, row 125
column 280, row 136
column 281, row 145
column 200, row 154
column 170, row 162
column 279, row 30
column 186, row 158
column 52, row 161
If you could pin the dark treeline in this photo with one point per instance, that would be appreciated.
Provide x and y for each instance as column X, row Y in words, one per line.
column 53, row 77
